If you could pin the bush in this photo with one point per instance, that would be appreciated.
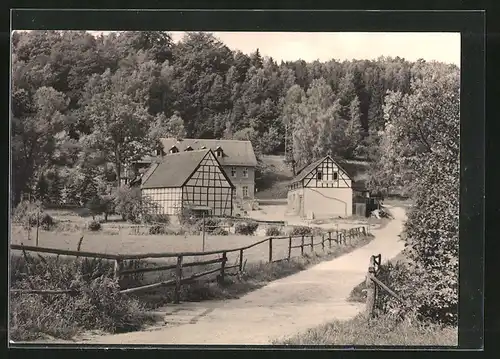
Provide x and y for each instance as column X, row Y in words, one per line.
column 26, row 213
column 246, row 228
column 132, row 206
column 157, row 229
column 96, row 304
column 152, row 218
column 273, row 231
column 46, row 221
column 94, row 226
column 211, row 224
column 301, row 231
column 220, row 232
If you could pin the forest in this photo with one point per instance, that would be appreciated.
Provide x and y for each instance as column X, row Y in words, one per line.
column 83, row 106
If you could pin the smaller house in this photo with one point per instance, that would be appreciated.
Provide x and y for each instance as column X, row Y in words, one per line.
column 320, row 190
column 189, row 179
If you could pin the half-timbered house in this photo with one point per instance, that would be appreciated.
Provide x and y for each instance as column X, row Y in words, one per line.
column 189, row 179
column 320, row 190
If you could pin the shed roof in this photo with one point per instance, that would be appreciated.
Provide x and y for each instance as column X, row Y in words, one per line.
column 174, row 170
column 237, row 153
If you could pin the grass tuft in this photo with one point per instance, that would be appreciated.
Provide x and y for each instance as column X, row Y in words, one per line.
column 381, row 331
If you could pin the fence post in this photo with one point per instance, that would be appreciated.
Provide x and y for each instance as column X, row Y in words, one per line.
column 329, row 239
column 270, row 249
column 312, row 243
column 289, row 248
column 337, row 237
column 323, row 242
column 178, row 278
column 222, row 267
column 302, row 246
column 117, row 268
column 241, row 261
column 370, row 289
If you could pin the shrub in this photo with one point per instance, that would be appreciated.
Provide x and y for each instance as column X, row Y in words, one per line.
column 246, row 228
column 220, row 232
column 94, row 226
column 301, row 231
column 157, row 229
column 211, row 224
column 96, row 304
column 46, row 221
column 132, row 206
column 273, row 231
column 26, row 213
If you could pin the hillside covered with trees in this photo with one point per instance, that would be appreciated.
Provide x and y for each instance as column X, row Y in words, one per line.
column 82, row 106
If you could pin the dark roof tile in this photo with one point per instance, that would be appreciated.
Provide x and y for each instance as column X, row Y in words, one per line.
column 174, row 170
column 237, row 153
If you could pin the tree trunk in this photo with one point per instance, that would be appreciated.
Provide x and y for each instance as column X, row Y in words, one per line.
column 118, row 166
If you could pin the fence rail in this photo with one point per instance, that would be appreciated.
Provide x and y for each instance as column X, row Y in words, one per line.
column 339, row 237
column 373, row 284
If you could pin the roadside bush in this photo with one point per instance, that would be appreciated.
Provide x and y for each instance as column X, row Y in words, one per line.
column 94, row 226
column 273, row 231
column 301, row 231
column 246, row 228
column 96, row 304
column 157, row 229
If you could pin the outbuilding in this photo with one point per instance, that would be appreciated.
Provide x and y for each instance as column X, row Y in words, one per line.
column 189, row 179
column 323, row 189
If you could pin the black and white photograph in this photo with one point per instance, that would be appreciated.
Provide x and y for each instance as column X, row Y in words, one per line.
column 234, row 188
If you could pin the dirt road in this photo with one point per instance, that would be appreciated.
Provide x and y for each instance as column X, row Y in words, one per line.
column 280, row 309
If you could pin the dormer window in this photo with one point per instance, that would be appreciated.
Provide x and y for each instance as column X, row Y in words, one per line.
column 159, row 152
column 203, row 148
column 188, row 148
column 174, row 149
column 218, row 151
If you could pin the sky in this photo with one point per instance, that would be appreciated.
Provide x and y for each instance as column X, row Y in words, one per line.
column 325, row 46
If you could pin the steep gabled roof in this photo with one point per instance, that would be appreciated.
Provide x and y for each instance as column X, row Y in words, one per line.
column 236, row 153
column 310, row 167
column 174, row 170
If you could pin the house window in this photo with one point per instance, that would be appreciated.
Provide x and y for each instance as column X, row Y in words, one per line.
column 245, row 172
column 233, row 171
column 319, row 176
column 189, row 148
column 245, row 191
column 174, row 149
column 335, row 176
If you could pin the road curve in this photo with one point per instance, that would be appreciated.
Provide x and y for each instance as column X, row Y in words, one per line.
column 280, row 309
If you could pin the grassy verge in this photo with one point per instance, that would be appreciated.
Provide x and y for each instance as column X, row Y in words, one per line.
column 382, row 331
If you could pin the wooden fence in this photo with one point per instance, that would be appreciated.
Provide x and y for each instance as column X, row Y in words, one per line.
column 307, row 242
column 373, row 285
